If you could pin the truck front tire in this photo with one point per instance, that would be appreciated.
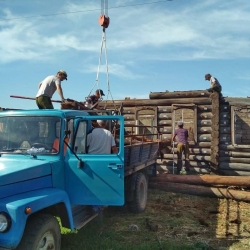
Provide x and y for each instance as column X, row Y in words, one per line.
column 139, row 202
column 42, row 232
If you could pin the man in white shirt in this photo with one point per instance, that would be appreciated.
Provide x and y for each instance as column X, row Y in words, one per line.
column 100, row 140
column 47, row 88
column 214, row 83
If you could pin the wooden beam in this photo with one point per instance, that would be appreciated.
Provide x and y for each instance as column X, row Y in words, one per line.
column 202, row 191
column 207, row 180
column 179, row 94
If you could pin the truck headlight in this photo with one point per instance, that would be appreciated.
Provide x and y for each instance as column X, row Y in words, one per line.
column 5, row 222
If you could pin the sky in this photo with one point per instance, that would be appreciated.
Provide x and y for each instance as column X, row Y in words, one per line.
column 152, row 46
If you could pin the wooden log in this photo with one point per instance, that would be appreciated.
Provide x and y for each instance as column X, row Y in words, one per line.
column 202, row 191
column 128, row 111
column 225, row 138
column 202, row 145
column 235, row 154
column 164, row 109
column 233, row 172
column 191, row 157
column 193, row 170
column 205, row 123
column 225, row 115
column 239, row 148
column 193, row 164
column 225, row 130
column 207, row 180
column 224, row 107
column 179, row 94
column 166, row 137
column 129, row 117
column 201, row 108
column 203, row 151
column 166, row 129
column 204, row 115
column 234, row 160
column 238, row 101
column 156, row 102
column 165, row 116
column 234, row 166
column 204, row 130
column 224, row 123
column 199, row 158
column 164, row 122
column 204, row 137
column 129, row 123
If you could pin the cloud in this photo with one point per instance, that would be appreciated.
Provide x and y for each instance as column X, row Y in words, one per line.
column 121, row 71
column 166, row 31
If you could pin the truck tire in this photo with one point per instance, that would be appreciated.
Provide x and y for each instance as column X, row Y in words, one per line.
column 139, row 202
column 42, row 232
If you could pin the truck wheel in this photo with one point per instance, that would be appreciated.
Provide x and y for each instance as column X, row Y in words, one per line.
column 42, row 232
column 139, row 203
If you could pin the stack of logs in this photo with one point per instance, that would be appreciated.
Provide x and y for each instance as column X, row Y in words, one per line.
column 231, row 187
column 234, row 158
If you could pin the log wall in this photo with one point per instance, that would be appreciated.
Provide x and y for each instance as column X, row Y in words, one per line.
column 234, row 149
column 222, row 137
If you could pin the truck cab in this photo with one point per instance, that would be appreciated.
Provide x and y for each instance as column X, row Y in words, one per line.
column 46, row 175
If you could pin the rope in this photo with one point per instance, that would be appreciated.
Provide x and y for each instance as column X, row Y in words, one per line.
column 98, row 67
column 103, row 42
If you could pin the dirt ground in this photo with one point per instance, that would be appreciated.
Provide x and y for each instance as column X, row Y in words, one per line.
column 210, row 223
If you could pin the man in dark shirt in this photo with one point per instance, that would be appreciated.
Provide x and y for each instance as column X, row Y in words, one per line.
column 182, row 146
column 94, row 99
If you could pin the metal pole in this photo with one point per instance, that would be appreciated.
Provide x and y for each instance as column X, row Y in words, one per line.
column 29, row 98
column 173, row 140
column 173, row 156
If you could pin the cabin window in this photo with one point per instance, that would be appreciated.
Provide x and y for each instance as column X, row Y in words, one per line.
column 146, row 121
column 187, row 113
column 240, row 123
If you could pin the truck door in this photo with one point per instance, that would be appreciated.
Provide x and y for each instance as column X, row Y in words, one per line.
column 100, row 180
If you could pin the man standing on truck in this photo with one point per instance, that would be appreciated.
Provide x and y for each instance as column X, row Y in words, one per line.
column 100, row 140
column 182, row 146
column 94, row 99
column 47, row 88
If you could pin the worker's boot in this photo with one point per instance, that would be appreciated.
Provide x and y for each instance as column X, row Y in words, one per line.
column 187, row 165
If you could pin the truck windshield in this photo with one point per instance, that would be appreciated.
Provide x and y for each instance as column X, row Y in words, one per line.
column 21, row 133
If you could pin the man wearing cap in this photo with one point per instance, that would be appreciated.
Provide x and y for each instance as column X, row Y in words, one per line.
column 47, row 88
column 182, row 146
column 94, row 99
column 214, row 84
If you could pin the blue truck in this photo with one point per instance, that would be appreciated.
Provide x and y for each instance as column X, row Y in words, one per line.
column 49, row 181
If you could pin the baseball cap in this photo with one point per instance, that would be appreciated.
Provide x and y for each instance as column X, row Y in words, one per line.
column 64, row 73
column 207, row 76
column 100, row 91
column 179, row 123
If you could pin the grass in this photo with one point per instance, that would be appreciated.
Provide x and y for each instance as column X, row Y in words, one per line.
column 171, row 222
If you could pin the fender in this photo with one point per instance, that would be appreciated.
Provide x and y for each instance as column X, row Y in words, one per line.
column 36, row 200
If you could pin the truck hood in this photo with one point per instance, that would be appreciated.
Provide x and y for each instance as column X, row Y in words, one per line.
column 16, row 170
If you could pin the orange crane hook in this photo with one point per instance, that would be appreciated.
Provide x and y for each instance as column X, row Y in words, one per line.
column 104, row 19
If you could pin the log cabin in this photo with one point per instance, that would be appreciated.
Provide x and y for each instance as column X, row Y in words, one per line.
column 219, row 134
